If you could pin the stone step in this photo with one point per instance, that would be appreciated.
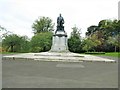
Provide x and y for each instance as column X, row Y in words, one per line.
column 66, row 57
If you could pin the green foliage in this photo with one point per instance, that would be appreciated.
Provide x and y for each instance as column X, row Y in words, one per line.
column 114, row 40
column 113, row 54
column 107, row 32
column 75, row 33
column 110, row 54
column 42, row 24
column 87, row 44
column 90, row 43
column 0, row 43
column 41, row 42
column 15, row 43
column 25, row 45
column 95, row 53
column 108, row 27
column 3, row 32
column 91, row 30
column 74, row 42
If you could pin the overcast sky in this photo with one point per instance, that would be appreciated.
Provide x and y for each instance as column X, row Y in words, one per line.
column 18, row 15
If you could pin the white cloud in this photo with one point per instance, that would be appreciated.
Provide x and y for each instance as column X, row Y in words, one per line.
column 18, row 15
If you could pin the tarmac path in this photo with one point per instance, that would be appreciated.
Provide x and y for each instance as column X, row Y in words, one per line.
column 40, row 74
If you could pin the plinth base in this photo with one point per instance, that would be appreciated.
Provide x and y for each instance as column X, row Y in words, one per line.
column 59, row 42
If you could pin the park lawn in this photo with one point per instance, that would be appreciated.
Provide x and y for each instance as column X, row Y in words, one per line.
column 111, row 54
column 9, row 53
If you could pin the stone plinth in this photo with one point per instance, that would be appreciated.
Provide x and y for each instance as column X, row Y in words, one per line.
column 59, row 42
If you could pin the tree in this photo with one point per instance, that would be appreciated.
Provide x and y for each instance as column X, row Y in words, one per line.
column 107, row 27
column 114, row 41
column 104, row 30
column 87, row 44
column 90, row 43
column 116, row 25
column 4, row 32
column 110, row 29
column 11, row 42
column 74, row 42
column 91, row 30
column 15, row 43
column 25, row 45
column 42, row 24
column 41, row 42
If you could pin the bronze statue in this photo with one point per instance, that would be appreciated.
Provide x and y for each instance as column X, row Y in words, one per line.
column 60, row 22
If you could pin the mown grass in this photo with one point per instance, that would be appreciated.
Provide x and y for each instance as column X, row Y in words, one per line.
column 111, row 54
column 8, row 52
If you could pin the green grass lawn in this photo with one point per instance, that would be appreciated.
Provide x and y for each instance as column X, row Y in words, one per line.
column 111, row 54
column 9, row 53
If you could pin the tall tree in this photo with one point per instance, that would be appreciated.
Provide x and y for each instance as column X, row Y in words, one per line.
column 25, row 45
column 104, row 30
column 15, row 43
column 107, row 27
column 74, row 42
column 41, row 42
column 42, row 24
column 4, row 32
column 89, row 44
column 91, row 30
column 115, row 41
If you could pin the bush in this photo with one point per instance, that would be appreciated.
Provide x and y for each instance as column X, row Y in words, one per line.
column 41, row 42
column 94, row 52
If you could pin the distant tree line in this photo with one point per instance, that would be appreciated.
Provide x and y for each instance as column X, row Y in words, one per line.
column 40, row 42
column 107, row 32
column 103, row 37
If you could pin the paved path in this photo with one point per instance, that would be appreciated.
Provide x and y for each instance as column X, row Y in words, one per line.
column 39, row 74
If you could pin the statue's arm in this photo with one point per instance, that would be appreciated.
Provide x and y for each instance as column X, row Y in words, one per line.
column 57, row 20
column 63, row 21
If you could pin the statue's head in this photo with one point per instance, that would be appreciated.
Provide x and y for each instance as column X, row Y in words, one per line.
column 60, row 14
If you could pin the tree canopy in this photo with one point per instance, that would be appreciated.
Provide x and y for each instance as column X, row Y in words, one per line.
column 74, row 42
column 42, row 24
column 15, row 43
column 4, row 32
column 41, row 42
column 107, row 32
column 101, row 37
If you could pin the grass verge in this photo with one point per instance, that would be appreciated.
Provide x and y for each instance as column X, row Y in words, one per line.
column 110, row 54
column 9, row 53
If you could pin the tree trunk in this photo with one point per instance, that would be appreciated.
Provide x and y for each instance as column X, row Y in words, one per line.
column 115, row 48
column 12, row 48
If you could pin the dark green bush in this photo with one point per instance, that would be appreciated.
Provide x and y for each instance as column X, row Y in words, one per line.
column 94, row 52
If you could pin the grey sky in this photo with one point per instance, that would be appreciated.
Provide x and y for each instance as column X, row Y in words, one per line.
column 18, row 15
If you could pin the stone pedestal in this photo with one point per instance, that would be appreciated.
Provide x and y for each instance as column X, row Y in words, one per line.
column 59, row 42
